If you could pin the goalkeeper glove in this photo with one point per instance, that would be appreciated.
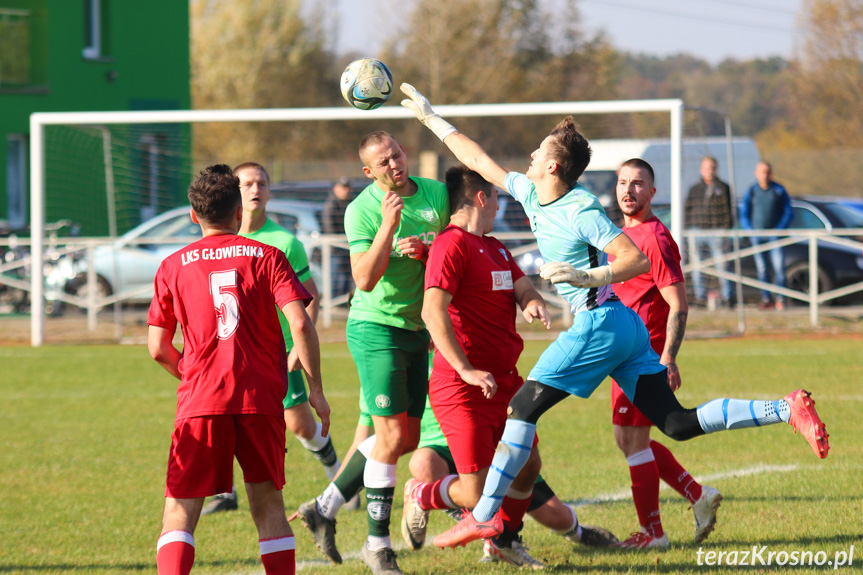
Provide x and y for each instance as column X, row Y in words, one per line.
column 420, row 106
column 562, row 272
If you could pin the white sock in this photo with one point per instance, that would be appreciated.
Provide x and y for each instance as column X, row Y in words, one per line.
column 332, row 470
column 330, row 501
column 379, row 474
column 317, row 441
column 367, row 445
column 574, row 526
column 376, row 543
column 444, row 491
column 640, row 458
column 519, row 495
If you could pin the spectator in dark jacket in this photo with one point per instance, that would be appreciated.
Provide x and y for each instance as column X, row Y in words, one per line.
column 333, row 222
column 767, row 206
column 708, row 207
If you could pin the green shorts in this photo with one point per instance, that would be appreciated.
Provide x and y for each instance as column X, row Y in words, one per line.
column 392, row 364
column 365, row 418
column 296, row 389
column 445, row 454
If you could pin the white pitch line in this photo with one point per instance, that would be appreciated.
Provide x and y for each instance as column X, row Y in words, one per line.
column 625, row 494
column 352, row 555
column 622, row 495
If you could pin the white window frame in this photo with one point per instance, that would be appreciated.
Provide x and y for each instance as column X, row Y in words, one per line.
column 93, row 48
column 16, row 181
column 151, row 143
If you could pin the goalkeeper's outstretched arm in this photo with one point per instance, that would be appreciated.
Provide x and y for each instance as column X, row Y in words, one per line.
column 466, row 150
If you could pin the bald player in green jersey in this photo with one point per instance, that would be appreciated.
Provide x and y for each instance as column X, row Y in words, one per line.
column 390, row 227
column 255, row 191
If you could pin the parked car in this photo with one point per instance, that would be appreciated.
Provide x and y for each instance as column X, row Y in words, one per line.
column 838, row 266
column 855, row 204
column 140, row 251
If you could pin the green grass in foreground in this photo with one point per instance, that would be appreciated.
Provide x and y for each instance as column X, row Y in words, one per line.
column 85, row 434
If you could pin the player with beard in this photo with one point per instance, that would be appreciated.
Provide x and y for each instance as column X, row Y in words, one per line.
column 659, row 299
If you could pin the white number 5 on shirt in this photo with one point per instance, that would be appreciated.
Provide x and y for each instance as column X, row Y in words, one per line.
column 225, row 302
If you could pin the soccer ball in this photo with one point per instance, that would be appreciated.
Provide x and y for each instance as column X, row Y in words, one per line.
column 366, row 84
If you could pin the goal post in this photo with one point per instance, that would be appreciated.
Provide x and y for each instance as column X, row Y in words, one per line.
column 40, row 120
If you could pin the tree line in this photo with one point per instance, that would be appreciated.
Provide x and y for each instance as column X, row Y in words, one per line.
column 280, row 54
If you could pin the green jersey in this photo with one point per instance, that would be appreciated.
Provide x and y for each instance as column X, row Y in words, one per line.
column 275, row 235
column 396, row 299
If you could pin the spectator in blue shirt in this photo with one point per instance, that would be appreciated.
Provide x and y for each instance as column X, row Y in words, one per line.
column 767, row 206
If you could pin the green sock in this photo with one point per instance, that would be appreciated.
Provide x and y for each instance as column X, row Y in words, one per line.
column 379, row 506
column 351, row 479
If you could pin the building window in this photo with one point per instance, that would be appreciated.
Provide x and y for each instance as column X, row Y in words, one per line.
column 16, row 180
column 14, row 47
column 95, row 23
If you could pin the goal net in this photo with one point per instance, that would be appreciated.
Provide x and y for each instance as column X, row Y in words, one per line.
column 113, row 173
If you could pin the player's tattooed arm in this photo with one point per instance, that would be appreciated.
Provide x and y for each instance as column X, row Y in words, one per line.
column 674, row 333
column 675, row 296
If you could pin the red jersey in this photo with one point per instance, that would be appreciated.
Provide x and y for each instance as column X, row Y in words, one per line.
column 480, row 274
column 641, row 293
column 222, row 290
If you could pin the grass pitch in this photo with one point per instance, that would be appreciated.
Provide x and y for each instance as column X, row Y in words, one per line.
column 85, row 434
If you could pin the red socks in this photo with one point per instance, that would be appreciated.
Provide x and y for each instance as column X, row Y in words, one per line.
column 277, row 555
column 512, row 511
column 434, row 495
column 175, row 553
column 674, row 474
column 645, row 491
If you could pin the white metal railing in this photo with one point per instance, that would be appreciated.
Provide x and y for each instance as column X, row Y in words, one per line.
column 779, row 238
column 334, row 306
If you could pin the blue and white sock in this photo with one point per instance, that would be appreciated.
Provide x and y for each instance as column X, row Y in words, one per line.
column 512, row 453
column 722, row 414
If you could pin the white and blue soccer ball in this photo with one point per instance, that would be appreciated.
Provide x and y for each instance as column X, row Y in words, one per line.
column 366, row 84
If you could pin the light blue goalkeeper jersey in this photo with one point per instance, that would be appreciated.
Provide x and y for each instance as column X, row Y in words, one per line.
column 572, row 229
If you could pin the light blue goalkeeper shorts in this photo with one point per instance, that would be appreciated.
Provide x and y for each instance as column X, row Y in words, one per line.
column 610, row 340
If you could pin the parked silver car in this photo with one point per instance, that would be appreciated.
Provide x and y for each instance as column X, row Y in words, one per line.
column 138, row 253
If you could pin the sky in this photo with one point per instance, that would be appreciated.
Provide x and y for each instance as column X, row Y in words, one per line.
column 710, row 29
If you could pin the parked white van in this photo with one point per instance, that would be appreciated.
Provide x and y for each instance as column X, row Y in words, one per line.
column 600, row 177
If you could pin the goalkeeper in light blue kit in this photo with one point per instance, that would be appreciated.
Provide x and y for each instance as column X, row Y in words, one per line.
column 606, row 338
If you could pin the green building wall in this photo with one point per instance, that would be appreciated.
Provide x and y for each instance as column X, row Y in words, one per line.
column 143, row 65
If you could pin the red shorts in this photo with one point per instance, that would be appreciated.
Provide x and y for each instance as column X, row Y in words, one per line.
column 472, row 427
column 623, row 413
column 201, row 461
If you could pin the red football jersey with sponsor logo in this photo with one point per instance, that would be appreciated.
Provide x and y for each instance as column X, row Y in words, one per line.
column 222, row 290
column 641, row 293
column 480, row 273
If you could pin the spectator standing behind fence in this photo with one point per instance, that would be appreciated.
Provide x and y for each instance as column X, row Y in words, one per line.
column 708, row 207
column 333, row 222
column 767, row 206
